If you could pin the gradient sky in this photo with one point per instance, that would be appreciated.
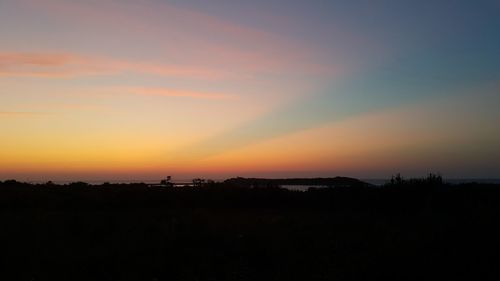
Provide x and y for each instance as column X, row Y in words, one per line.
column 137, row 90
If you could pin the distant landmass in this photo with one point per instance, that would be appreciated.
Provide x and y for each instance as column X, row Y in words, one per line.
column 313, row 182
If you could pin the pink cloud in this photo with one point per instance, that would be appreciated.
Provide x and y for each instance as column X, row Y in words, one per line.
column 191, row 38
column 163, row 92
column 21, row 114
column 57, row 65
column 7, row 59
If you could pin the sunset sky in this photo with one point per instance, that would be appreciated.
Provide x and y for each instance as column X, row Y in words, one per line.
column 138, row 90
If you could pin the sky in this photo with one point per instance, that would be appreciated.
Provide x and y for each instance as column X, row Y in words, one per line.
column 138, row 90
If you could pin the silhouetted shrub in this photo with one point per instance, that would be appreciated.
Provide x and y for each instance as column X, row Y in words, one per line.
column 78, row 184
column 226, row 231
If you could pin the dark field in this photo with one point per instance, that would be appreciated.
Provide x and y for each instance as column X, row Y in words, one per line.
column 225, row 231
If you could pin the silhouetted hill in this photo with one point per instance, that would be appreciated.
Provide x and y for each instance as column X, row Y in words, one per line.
column 329, row 182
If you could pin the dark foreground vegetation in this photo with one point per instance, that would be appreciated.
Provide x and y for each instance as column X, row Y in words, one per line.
column 410, row 230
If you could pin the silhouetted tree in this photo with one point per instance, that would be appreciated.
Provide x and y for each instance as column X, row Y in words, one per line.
column 167, row 182
column 397, row 180
column 434, row 179
column 198, row 182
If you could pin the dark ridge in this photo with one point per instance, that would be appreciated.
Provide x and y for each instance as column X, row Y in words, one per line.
column 328, row 182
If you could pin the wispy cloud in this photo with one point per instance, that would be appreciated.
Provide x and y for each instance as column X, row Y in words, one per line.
column 313, row 113
column 140, row 91
column 61, row 65
column 22, row 114
column 9, row 59
column 47, row 65
column 162, row 92
column 189, row 36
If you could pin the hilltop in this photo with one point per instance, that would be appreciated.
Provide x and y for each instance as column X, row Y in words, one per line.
column 327, row 182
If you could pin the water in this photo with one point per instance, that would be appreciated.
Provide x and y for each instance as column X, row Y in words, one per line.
column 376, row 182
column 301, row 187
column 187, row 182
